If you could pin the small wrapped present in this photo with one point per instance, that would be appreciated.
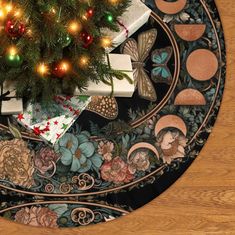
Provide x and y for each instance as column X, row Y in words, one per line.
column 119, row 88
column 134, row 18
column 52, row 121
column 9, row 103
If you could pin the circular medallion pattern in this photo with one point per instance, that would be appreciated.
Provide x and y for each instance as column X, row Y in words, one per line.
column 123, row 152
column 202, row 64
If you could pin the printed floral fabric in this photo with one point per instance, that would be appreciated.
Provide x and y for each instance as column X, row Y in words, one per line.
column 37, row 216
column 16, row 163
column 45, row 159
column 78, row 152
column 116, row 171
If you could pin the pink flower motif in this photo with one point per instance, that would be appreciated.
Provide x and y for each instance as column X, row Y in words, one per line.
column 172, row 144
column 151, row 122
column 139, row 162
column 37, row 216
column 105, row 149
column 45, row 160
column 116, row 171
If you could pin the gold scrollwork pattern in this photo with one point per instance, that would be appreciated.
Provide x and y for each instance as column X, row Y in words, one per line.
column 82, row 216
column 84, row 181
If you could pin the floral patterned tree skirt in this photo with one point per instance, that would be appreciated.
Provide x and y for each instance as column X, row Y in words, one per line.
column 123, row 152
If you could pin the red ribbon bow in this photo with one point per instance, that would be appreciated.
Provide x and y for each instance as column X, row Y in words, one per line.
column 126, row 29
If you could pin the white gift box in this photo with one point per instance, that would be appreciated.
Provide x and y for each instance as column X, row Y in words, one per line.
column 9, row 104
column 50, row 124
column 121, row 88
column 134, row 18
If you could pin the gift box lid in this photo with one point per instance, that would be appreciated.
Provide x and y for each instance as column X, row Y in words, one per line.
column 122, row 88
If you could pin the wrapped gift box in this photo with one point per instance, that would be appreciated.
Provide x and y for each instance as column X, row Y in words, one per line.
column 51, row 122
column 135, row 17
column 122, row 88
column 9, row 104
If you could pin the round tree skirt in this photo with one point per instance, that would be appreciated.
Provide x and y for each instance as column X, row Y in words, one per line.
column 123, row 152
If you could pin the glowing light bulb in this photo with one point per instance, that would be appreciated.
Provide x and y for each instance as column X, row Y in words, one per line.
column 74, row 27
column 12, row 50
column 42, row 69
column 83, row 61
column 8, row 8
column 106, row 42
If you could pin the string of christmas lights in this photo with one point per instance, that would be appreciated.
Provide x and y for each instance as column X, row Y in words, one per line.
column 52, row 48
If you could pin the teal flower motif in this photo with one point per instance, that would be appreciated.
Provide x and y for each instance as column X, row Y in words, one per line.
column 78, row 152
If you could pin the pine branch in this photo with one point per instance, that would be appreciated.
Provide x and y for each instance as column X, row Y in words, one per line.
column 47, row 25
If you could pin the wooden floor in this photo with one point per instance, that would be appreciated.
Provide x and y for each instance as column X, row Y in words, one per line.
column 202, row 201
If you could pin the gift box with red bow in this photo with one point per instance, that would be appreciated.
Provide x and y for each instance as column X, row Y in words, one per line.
column 133, row 19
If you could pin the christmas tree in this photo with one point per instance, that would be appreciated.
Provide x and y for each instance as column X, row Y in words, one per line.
column 52, row 47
